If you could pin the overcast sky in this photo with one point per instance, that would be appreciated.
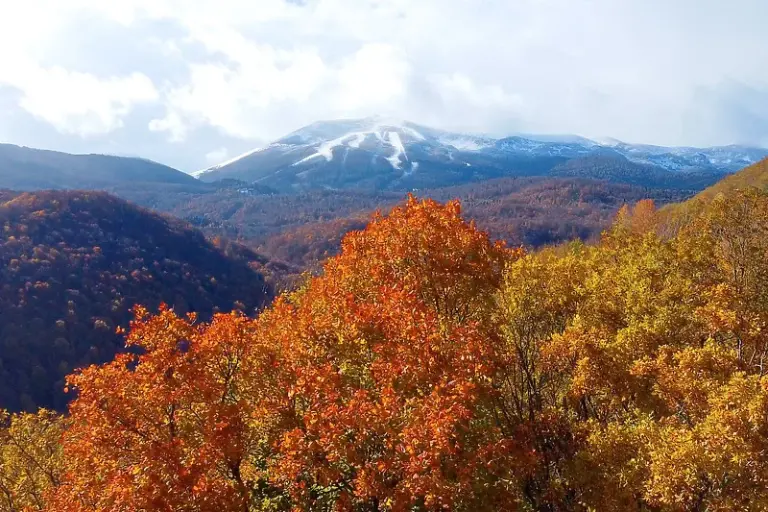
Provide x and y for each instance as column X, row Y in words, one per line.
column 193, row 82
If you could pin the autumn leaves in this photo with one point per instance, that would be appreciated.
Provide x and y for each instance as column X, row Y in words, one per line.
column 430, row 369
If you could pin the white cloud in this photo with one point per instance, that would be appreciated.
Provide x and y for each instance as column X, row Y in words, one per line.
column 80, row 103
column 260, row 83
column 72, row 101
column 643, row 70
column 460, row 88
column 230, row 96
column 216, row 156
column 372, row 78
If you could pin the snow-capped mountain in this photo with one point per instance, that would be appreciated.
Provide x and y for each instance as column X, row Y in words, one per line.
column 382, row 153
column 370, row 153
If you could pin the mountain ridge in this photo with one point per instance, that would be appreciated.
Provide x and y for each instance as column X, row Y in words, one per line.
column 391, row 154
column 25, row 168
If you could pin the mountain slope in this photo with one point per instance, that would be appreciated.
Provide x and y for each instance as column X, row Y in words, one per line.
column 374, row 153
column 72, row 264
column 610, row 165
column 384, row 154
column 755, row 175
column 23, row 168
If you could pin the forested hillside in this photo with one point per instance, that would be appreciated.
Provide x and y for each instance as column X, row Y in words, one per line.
column 755, row 175
column 429, row 368
column 73, row 264
column 303, row 229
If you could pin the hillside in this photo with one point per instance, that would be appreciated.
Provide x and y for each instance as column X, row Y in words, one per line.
column 755, row 175
column 23, row 168
column 302, row 229
column 607, row 164
column 678, row 214
column 72, row 265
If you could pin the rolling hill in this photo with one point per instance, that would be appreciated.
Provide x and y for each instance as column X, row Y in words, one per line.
column 23, row 168
column 755, row 175
column 302, row 229
column 73, row 264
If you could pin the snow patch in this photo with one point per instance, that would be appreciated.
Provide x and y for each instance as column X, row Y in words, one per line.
column 359, row 138
column 326, row 149
column 413, row 133
column 197, row 174
column 397, row 143
column 465, row 143
column 413, row 169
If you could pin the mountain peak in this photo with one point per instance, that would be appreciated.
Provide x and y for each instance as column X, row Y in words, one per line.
column 383, row 152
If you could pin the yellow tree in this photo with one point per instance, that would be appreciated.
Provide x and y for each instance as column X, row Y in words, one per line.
column 30, row 459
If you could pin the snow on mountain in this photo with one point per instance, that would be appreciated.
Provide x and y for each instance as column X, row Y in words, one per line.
column 379, row 152
column 386, row 132
column 464, row 142
column 559, row 139
column 197, row 174
column 397, row 144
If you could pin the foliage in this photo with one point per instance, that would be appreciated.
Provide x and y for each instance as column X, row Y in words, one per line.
column 428, row 368
column 218, row 400
column 30, row 459
column 302, row 230
column 72, row 264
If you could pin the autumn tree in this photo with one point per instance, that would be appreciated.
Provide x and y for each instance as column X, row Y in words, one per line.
column 187, row 425
column 30, row 459
column 394, row 354
column 428, row 368
column 646, row 352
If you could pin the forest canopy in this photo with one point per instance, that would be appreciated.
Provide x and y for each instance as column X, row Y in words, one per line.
column 73, row 264
column 429, row 368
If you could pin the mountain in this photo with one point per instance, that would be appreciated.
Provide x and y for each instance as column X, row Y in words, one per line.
column 384, row 154
column 610, row 165
column 23, row 168
column 73, row 264
column 301, row 229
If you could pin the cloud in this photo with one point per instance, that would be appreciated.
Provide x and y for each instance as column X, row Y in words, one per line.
column 216, row 156
column 230, row 95
column 80, row 103
column 172, row 72
column 72, row 101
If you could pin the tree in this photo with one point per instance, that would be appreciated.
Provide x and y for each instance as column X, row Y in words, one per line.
column 430, row 369
column 394, row 351
column 186, row 425
column 30, row 459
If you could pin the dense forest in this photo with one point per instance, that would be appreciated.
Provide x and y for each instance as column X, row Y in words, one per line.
column 303, row 229
column 73, row 264
column 430, row 368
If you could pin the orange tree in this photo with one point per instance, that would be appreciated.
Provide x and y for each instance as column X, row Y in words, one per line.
column 395, row 352
column 367, row 389
column 185, row 425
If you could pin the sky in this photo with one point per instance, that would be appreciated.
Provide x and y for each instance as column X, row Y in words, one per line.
column 192, row 83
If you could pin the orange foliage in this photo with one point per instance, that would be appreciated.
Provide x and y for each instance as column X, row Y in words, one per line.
column 180, row 427
column 393, row 365
column 367, row 387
